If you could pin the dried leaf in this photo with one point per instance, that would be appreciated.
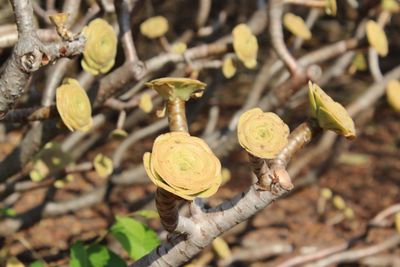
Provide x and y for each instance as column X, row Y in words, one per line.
column 228, row 68
column 177, row 156
column 261, row 134
column 393, row 94
column 377, row 38
column 330, row 114
column 154, row 27
column 100, row 48
column 245, row 45
column 297, row 26
column 73, row 105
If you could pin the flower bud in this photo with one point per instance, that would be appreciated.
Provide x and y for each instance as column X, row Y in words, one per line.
column 154, row 27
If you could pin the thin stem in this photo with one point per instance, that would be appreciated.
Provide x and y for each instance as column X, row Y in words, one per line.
column 307, row 3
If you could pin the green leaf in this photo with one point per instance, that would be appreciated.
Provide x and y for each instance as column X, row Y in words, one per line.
column 136, row 237
column 36, row 264
column 101, row 256
column 8, row 212
column 79, row 257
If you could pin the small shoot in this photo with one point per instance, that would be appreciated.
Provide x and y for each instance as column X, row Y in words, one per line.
column 103, row 165
column 297, row 26
column 228, row 68
column 393, row 94
column 154, row 27
column 377, row 38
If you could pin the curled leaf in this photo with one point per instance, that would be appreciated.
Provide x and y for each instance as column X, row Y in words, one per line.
column 245, row 45
column 297, row 26
column 73, row 105
column 393, row 94
column 228, row 68
column 172, row 88
column 330, row 7
column 183, row 165
column 145, row 103
column 261, row 134
column 103, row 165
column 100, row 48
column 179, row 48
column 330, row 114
column 377, row 38
column 154, row 27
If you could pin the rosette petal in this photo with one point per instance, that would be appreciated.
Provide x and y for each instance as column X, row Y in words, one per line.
column 261, row 134
column 73, row 105
column 245, row 45
column 183, row 165
column 171, row 88
column 100, row 48
column 154, row 27
column 330, row 114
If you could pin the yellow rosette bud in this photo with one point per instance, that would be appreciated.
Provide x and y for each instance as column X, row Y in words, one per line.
column 330, row 7
column 73, row 105
column 183, row 165
column 393, row 94
column 377, row 38
column 330, row 114
column 100, row 48
column 179, row 48
column 297, row 26
column 261, row 134
column 171, row 88
column 154, row 27
column 245, row 45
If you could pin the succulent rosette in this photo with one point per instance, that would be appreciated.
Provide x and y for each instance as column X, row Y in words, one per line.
column 245, row 45
column 330, row 114
column 183, row 165
column 154, row 27
column 171, row 88
column 100, row 48
column 73, row 105
column 262, row 134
